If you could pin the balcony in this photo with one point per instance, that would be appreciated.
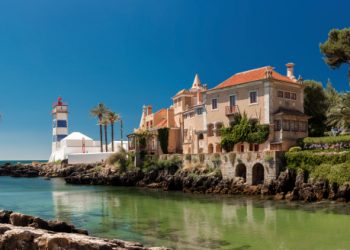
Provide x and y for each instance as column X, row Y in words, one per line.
column 231, row 110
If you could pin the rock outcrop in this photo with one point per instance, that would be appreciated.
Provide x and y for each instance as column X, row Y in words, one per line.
column 24, row 232
column 288, row 185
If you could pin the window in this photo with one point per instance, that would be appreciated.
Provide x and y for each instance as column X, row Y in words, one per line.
column 253, row 147
column 286, row 125
column 199, row 111
column 277, row 125
column 287, row 95
column 210, row 130
column 253, row 95
column 214, row 104
column 218, row 129
column 292, row 127
column 280, row 94
column 293, row 96
column 232, row 100
column 296, row 126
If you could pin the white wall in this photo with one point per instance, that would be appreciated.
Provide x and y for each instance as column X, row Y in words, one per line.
column 88, row 158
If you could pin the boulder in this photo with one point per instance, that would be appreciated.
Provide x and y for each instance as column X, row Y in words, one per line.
column 27, row 238
column 22, row 220
column 5, row 216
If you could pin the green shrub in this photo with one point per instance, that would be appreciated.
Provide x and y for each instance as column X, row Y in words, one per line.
column 339, row 173
column 243, row 130
column 172, row 164
column 295, row 149
column 308, row 159
column 119, row 160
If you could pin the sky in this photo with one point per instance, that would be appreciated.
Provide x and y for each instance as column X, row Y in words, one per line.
column 127, row 53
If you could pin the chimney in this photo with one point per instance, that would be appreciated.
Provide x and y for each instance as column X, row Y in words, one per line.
column 149, row 110
column 290, row 70
column 170, row 117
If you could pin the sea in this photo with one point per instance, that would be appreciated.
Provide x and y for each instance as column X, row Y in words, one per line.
column 2, row 162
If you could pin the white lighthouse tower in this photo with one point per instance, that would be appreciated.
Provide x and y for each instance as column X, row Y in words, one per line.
column 60, row 126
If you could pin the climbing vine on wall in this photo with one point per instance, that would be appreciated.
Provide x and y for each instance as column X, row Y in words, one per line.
column 243, row 130
column 163, row 138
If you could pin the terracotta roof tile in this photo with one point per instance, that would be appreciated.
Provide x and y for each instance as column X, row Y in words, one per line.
column 251, row 76
column 182, row 92
column 162, row 124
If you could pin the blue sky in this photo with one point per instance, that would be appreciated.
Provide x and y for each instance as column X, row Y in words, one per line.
column 129, row 53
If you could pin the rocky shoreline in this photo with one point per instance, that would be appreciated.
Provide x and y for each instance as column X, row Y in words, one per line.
column 24, row 232
column 288, row 186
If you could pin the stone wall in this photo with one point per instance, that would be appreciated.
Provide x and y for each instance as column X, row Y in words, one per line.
column 254, row 167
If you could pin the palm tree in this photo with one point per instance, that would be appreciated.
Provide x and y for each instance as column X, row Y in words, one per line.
column 121, row 133
column 338, row 114
column 112, row 117
column 105, row 123
column 99, row 111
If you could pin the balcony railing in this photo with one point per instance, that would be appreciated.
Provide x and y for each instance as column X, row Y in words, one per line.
column 231, row 110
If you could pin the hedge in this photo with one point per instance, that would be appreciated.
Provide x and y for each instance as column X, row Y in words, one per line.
column 339, row 173
column 308, row 160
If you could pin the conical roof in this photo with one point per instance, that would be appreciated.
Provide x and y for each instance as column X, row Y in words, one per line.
column 196, row 82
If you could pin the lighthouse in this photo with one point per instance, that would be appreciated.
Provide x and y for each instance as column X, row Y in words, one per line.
column 59, row 124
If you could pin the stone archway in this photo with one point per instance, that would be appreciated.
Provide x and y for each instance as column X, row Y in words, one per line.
column 258, row 174
column 241, row 171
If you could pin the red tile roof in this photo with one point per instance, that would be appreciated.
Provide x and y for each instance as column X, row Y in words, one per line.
column 162, row 124
column 251, row 76
column 183, row 92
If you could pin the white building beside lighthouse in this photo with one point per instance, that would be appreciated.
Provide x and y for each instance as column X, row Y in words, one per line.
column 76, row 147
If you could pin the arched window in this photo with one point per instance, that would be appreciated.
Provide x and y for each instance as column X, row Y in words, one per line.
column 210, row 148
column 218, row 148
column 241, row 171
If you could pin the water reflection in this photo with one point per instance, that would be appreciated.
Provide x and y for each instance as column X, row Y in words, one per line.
column 182, row 221
column 197, row 222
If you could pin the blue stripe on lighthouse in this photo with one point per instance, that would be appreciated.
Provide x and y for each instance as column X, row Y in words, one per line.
column 59, row 123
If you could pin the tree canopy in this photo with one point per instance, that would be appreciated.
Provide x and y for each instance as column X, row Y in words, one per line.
column 315, row 105
column 336, row 49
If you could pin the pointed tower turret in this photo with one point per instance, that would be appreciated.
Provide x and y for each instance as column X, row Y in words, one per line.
column 196, row 82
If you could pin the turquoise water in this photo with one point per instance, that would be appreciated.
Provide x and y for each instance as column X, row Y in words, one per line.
column 182, row 221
